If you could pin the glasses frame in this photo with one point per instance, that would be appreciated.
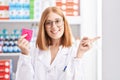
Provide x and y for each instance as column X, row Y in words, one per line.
column 50, row 24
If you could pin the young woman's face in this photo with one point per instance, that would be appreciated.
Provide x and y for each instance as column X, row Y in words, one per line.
column 54, row 26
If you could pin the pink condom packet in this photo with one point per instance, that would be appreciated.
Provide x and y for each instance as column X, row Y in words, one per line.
column 28, row 32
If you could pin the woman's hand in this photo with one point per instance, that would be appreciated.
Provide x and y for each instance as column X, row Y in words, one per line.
column 85, row 45
column 23, row 44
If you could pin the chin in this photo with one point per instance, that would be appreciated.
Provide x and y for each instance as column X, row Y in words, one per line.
column 56, row 37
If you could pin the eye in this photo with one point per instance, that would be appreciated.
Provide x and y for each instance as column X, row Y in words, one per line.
column 48, row 22
column 57, row 21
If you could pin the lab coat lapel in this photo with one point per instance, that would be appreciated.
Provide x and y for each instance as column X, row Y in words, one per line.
column 62, row 52
column 44, row 58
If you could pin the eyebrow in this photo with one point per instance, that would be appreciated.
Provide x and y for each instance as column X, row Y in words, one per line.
column 55, row 19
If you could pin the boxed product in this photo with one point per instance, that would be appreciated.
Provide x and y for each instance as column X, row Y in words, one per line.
column 5, row 69
column 4, row 12
column 69, row 7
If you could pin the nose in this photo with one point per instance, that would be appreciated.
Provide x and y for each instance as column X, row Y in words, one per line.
column 53, row 24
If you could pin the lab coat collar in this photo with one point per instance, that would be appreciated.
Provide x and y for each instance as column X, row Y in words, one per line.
column 62, row 52
column 45, row 56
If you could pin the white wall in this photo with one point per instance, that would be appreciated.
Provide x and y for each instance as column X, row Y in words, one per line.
column 89, row 29
column 111, row 40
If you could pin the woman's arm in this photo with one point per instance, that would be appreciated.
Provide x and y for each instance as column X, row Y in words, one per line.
column 25, row 63
column 78, row 49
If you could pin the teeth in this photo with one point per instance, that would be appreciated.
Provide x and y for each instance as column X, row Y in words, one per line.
column 54, row 32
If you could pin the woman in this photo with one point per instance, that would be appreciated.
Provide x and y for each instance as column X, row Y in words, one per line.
column 57, row 56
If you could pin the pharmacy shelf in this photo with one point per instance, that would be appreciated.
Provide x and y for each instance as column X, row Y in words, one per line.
column 71, row 20
column 9, row 54
column 19, row 20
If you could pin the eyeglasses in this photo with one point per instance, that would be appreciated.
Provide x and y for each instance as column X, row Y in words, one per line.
column 58, row 22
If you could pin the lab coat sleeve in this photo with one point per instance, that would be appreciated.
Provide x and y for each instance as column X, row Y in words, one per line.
column 77, row 63
column 24, row 68
column 78, row 69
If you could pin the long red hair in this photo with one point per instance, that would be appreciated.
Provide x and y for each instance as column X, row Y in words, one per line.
column 43, row 40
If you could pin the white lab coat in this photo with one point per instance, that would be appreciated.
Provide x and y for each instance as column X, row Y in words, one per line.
column 37, row 65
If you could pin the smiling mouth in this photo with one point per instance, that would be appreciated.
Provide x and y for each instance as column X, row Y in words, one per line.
column 54, row 32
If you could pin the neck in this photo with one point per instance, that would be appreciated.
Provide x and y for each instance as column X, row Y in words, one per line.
column 56, row 43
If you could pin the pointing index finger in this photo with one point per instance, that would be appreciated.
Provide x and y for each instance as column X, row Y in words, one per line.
column 94, row 39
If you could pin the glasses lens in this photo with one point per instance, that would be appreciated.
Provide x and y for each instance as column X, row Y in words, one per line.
column 58, row 22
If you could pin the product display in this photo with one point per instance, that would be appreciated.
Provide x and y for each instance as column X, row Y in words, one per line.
column 31, row 9
column 69, row 7
column 8, row 41
column 5, row 69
